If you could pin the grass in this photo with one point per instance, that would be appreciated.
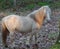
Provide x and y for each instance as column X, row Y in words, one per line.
column 42, row 3
column 56, row 46
column 31, row 6
column 3, row 5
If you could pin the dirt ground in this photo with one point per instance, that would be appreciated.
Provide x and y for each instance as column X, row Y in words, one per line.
column 46, row 37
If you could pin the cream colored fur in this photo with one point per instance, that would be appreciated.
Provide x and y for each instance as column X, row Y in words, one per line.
column 26, row 24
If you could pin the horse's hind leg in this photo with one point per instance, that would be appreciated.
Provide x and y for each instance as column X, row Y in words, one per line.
column 5, row 32
column 12, row 37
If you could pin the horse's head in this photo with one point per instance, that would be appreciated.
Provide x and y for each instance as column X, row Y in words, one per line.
column 47, row 12
column 44, row 12
column 39, row 15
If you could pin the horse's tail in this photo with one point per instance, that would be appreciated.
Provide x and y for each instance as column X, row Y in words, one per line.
column 5, row 32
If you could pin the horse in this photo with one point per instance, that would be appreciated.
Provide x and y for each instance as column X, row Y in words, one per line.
column 24, row 24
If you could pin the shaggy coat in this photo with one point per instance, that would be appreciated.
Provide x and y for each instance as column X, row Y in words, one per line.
column 34, row 20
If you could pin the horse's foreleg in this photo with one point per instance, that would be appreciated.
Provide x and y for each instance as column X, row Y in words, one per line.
column 34, row 37
column 34, row 33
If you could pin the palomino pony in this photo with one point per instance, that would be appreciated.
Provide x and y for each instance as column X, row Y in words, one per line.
column 13, row 23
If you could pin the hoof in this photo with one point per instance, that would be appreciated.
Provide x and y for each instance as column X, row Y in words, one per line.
column 27, row 46
column 6, row 46
column 34, row 46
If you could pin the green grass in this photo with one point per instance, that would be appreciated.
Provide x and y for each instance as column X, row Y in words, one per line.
column 42, row 3
column 56, row 46
column 53, row 5
column 4, row 4
column 31, row 6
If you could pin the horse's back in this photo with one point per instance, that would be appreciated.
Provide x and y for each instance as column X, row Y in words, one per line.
column 20, row 23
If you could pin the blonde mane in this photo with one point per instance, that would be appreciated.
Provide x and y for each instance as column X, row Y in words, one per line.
column 35, row 11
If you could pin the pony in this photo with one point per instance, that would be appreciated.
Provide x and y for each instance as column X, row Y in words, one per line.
column 24, row 24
